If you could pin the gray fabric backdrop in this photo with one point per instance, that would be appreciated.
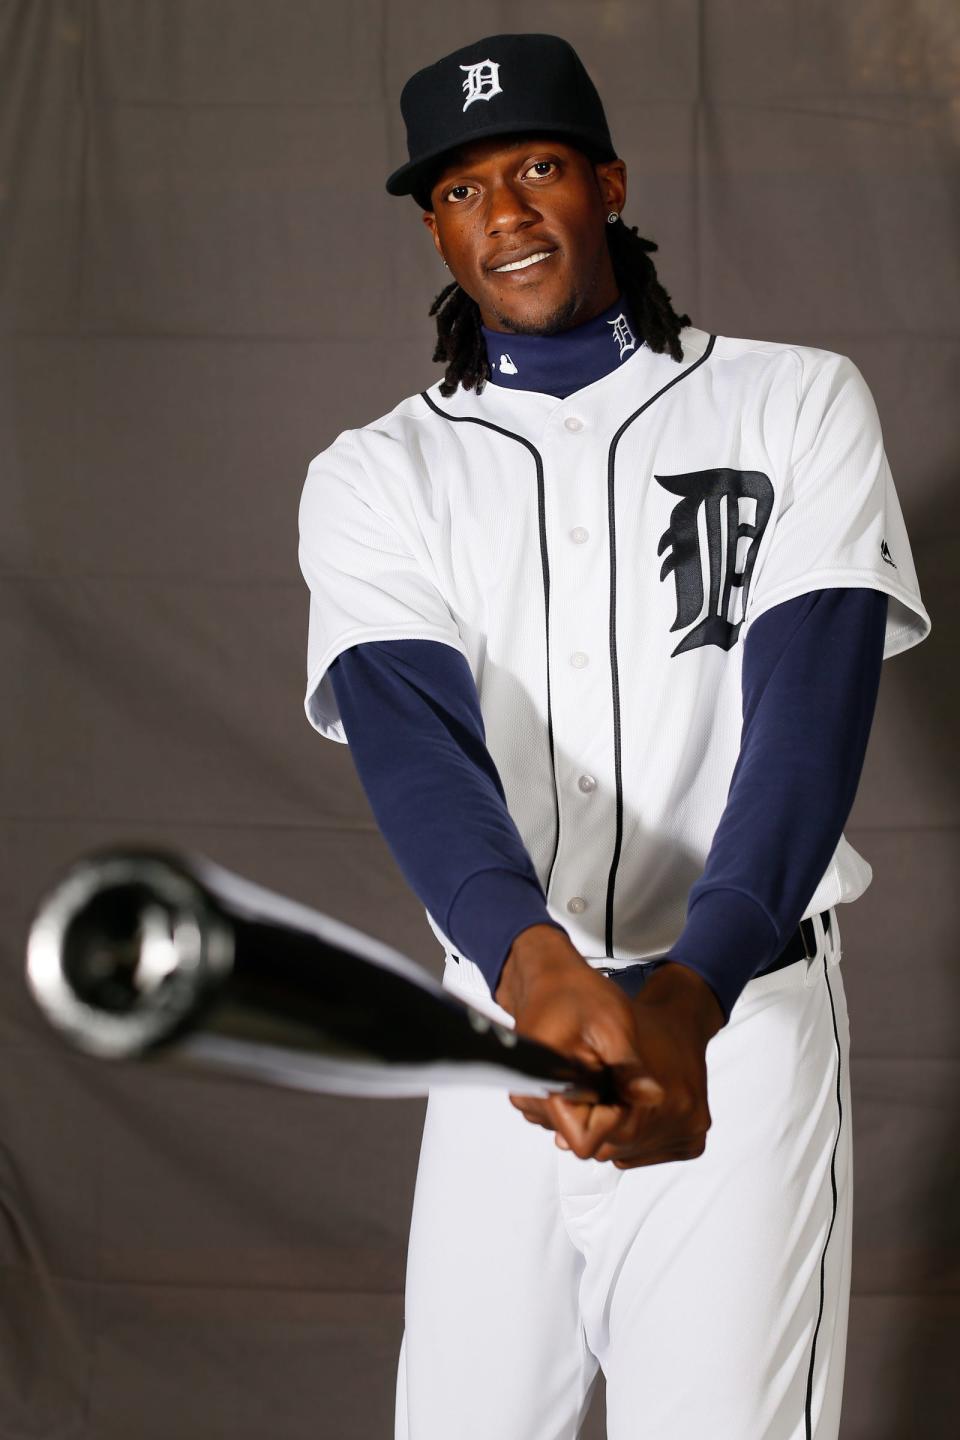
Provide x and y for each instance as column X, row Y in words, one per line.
column 201, row 282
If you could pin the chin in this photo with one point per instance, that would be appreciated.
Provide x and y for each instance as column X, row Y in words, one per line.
column 539, row 316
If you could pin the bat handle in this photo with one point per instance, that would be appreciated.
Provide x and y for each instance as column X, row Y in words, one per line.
column 595, row 1087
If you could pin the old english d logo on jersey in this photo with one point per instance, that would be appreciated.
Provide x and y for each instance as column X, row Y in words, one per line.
column 482, row 82
column 736, row 507
column 622, row 334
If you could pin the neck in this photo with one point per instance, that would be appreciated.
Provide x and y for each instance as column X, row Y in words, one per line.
column 561, row 363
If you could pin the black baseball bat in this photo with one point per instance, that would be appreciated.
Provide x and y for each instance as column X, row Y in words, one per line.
column 141, row 952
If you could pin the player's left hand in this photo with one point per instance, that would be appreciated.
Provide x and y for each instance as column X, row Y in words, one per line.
column 675, row 1016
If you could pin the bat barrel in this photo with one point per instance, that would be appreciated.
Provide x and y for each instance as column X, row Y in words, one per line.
column 133, row 949
column 125, row 950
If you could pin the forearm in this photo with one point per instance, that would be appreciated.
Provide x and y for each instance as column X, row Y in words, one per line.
column 412, row 719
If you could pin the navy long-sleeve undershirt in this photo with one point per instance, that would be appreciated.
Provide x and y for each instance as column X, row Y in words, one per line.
column 811, row 674
column 811, row 671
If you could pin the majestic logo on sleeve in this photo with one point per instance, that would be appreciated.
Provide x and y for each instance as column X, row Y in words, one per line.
column 713, row 537
column 482, row 82
column 623, row 335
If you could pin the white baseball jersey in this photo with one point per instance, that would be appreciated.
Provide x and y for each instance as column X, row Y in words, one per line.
column 599, row 560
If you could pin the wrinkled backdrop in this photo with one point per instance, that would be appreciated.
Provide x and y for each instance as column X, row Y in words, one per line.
column 202, row 281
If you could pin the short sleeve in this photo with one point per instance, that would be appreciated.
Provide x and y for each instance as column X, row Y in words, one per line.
column 365, row 581
column 839, row 523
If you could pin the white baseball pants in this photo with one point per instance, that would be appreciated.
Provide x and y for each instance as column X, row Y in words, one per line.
column 712, row 1292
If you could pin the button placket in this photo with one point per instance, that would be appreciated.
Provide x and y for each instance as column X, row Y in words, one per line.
column 576, row 509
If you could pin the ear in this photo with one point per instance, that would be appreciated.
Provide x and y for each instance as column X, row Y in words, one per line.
column 612, row 181
column 430, row 220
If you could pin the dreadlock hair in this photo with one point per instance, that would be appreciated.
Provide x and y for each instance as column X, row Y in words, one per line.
column 460, row 340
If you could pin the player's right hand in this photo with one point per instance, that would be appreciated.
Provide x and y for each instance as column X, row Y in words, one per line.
column 657, row 1055
column 561, row 1001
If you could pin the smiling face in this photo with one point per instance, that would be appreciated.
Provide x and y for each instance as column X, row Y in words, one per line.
column 508, row 199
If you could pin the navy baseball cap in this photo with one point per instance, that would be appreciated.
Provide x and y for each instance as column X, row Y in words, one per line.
column 502, row 85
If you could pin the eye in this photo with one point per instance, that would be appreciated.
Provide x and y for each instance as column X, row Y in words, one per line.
column 452, row 196
column 537, row 163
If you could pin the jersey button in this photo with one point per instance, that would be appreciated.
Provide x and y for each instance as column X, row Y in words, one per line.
column 578, row 659
column 587, row 783
column 576, row 905
column 573, row 422
column 579, row 535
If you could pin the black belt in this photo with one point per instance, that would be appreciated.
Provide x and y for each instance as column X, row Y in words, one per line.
column 802, row 945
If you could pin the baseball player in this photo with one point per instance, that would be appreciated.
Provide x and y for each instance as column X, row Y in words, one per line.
column 601, row 614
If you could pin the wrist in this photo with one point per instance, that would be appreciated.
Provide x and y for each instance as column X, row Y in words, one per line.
column 682, row 987
column 538, row 951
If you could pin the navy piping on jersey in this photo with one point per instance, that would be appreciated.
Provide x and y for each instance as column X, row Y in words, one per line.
column 614, row 671
column 807, row 1417
column 545, row 565
column 544, row 560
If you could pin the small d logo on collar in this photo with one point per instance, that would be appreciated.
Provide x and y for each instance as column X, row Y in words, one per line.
column 623, row 335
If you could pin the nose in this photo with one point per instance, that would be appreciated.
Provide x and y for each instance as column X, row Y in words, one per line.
column 508, row 210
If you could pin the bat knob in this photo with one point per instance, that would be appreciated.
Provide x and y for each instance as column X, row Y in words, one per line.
column 120, row 950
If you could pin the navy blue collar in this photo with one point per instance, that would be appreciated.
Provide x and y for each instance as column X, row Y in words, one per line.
column 561, row 363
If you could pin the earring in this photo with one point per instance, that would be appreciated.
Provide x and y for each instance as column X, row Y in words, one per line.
column 445, row 263
column 612, row 218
